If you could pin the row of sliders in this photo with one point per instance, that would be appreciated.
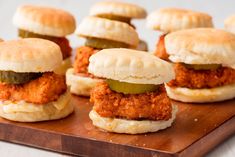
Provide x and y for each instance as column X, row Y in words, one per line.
column 130, row 89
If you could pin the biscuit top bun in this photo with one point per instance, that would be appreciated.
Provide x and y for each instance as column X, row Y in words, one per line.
column 29, row 55
column 131, row 66
column 229, row 23
column 44, row 20
column 173, row 19
column 119, row 9
column 108, row 29
column 201, row 46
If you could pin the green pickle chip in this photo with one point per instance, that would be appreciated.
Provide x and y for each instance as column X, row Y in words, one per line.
column 131, row 88
column 202, row 66
column 116, row 18
column 11, row 77
column 27, row 34
column 104, row 43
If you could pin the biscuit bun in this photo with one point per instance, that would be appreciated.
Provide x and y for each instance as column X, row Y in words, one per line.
column 130, row 66
column 201, row 95
column 201, row 46
column 29, row 55
column 44, row 20
column 142, row 46
column 96, row 27
column 131, row 126
column 66, row 64
column 119, row 9
column 22, row 111
column 229, row 23
column 174, row 19
column 80, row 85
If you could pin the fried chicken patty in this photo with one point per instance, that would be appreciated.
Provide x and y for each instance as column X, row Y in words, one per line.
column 42, row 90
column 197, row 79
column 161, row 50
column 81, row 62
column 65, row 48
column 150, row 106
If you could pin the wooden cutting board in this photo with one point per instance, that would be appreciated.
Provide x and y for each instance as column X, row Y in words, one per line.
column 197, row 129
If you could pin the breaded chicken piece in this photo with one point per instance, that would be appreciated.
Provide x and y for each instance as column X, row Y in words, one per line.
column 65, row 48
column 82, row 60
column 197, row 79
column 42, row 90
column 160, row 49
column 148, row 106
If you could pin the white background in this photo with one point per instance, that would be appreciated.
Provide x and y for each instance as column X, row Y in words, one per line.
column 219, row 9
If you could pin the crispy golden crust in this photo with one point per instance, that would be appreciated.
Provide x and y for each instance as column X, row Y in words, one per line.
column 160, row 49
column 82, row 60
column 197, row 79
column 151, row 106
column 45, row 89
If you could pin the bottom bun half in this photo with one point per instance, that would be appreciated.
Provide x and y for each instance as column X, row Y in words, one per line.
column 22, row 111
column 80, row 85
column 130, row 126
column 201, row 95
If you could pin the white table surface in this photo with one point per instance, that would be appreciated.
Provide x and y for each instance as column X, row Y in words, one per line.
column 219, row 9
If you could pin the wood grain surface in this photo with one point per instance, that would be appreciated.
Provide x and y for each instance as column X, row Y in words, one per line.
column 197, row 129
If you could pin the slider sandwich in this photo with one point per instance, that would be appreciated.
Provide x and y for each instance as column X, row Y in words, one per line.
column 204, row 63
column 99, row 34
column 29, row 89
column 132, row 98
column 120, row 11
column 47, row 23
column 169, row 20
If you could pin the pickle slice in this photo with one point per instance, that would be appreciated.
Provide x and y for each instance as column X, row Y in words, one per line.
column 104, row 43
column 11, row 77
column 116, row 18
column 27, row 34
column 202, row 66
column 131, row 88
